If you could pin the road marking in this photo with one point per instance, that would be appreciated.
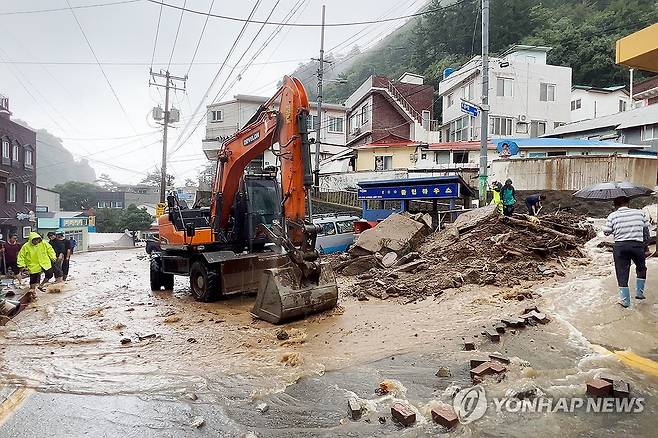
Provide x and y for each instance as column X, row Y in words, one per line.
column 13, row 402
column 630, row 359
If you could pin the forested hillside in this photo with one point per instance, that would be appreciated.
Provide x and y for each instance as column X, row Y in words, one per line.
column 582, row 34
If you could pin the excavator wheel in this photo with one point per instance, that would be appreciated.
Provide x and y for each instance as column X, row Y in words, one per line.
column 205, row 283
column 159, row 279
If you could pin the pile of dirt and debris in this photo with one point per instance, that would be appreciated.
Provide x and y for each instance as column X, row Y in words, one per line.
column 480, row 247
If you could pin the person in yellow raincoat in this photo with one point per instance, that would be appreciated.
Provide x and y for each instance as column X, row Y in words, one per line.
column 496, row 199
column 36, row 256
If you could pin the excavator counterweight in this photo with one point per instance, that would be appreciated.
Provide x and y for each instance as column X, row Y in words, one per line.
column 256, row 236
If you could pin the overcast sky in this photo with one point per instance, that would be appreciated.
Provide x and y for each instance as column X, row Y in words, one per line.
column 50, row 75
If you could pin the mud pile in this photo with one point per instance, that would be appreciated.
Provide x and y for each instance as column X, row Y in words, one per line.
column 481, row 248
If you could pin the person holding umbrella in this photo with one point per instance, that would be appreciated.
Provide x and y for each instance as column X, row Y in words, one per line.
column 630, row 228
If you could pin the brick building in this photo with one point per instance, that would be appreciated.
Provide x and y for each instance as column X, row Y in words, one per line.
column 17, row 175
column 381, row 107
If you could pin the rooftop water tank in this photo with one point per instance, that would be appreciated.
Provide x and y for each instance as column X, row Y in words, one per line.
column 447, row 72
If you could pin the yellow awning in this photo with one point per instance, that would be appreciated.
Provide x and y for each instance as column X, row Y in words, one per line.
column 640, row 49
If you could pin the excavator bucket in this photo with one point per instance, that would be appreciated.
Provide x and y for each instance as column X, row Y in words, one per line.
column 285, row 295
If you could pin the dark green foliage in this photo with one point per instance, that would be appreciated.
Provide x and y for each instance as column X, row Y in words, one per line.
column 76, row 195
column 582, row 34
column 113, row 220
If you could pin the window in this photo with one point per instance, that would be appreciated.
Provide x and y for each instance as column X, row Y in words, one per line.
column 327, row 229
column 521, row 128
column 450, row 101
column 11, row 192
column 5, row 149
column 547, row 92
column 117, row 204
column 537, row 128
column 216, row 116
column 28, row 158
column 442, row 157
column 28, row 193
column 468, row 91
column 335, row 124
column 556, row 154
column 575, row 104
column 458, row 130
column 26, row 232
column 345, row 227
column 650, row 132
column 504, row 87
column 15, row 153
column 501, row 125
column 622, row 105
column 311, row 122
column 354, row 122
column 459, row 157
column 383, row 162
column 536, row 154
column 365, row 115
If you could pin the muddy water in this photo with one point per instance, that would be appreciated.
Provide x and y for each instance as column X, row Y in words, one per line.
column 71, row 342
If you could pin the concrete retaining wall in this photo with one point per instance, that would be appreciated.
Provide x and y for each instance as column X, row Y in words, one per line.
column 573, row 173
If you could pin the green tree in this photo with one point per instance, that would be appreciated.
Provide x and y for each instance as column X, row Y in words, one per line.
column 135, row 219
column 108, row 220
column 76, row 195
column 106, row 182
column 153, row 178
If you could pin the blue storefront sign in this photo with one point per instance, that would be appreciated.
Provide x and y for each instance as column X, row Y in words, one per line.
column 444, row 191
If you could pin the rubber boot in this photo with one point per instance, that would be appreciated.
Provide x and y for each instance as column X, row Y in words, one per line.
column 639, row 288
column 625, row 296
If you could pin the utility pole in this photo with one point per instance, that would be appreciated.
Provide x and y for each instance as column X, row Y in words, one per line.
column 316, row 173
column 484, row 113
column 166, row 120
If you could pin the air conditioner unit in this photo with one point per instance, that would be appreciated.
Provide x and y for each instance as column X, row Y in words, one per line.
column 522, row 118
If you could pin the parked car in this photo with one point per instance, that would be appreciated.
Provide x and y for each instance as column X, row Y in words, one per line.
column 336, row 233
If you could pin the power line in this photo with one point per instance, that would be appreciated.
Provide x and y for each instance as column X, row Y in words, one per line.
column 203, row 30
column 142, row 63
column 180, row 21
column 100, row 66
column 254, row 56
column 351, row 23
column 96, row 5
column 157, row 32
column 219, row 71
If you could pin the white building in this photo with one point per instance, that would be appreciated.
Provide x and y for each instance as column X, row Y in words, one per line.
column 225, row 118
column 527, row 97
column 592, row 102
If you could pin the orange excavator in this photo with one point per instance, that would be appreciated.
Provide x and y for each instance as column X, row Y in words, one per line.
column 256, row 235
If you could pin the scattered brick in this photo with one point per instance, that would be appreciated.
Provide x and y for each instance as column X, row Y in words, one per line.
column 493, row 335
column 486, row 369
column 599, row 388
column 354, row 407
column 403, row 415
column 620, row 389
column 499, row 358
column 477, row 362
column 469, row 344
column 445, row 416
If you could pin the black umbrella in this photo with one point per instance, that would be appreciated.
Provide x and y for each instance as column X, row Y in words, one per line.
column 611, row 190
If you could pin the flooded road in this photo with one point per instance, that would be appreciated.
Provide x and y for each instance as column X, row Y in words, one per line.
column 127, row 359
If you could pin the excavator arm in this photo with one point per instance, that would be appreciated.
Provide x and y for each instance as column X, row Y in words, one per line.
column 285, row 126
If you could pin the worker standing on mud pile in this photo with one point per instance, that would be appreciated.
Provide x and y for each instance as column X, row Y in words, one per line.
column 36, row 255
column 533, row 202
column 630, row 228
column 495, row 196
column 508, row 195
